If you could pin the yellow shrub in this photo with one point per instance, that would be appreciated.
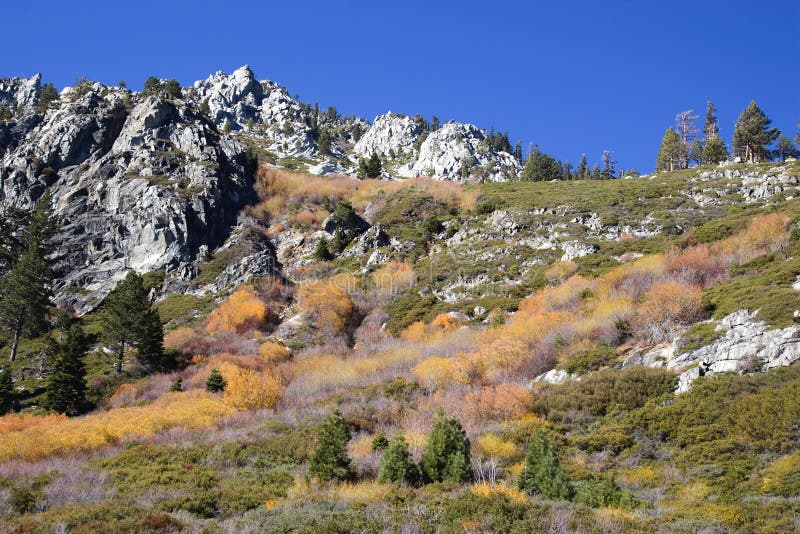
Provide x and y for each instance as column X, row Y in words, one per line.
column 560, row 270
column 247, row 389
column 192, row 409
column 493, row 446
column 485, row 489
column 243, row 310
column 436, row 372
column 328, row 301
column 394, row 277
column 179, row 338
column 415, row 332
column 274, row 352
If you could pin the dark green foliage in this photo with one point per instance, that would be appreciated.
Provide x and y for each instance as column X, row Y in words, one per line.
column 753, row 134
column 446, row 454
column 5, row 113
column 172, row 88
column 6, row 390
column 26, row 295
column 324, row 141
column 784, row 148
column 66, row 385
column 605, row 391
column 589, row 360
column 543, row 473
column 152, row 85
column 540, row 167
column 495, row 512
column 379, row 442
column 715, row 151
column 603, row 492
column 322, row 250
column 669, row 155
column 129, row 320
column 215, row 381
column 47, row 96
column 177, row 385
column 398, row 466
column 329, row 461
column 370, row 168
column 609, row 170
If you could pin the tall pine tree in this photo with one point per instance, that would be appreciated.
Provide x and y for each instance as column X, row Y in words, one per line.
column 543, row 473
column 714, row 149
column 330, row 461
column 129, row 321
column 669, row 155
column 753, row 134
column 540, row 167
column 397, row 465
column 6, row 390
column 446, row 455
column 66, row 385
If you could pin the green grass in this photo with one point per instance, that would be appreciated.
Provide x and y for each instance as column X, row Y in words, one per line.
column 180, row 310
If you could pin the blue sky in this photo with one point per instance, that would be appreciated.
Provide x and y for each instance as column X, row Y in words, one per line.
column 574, row 77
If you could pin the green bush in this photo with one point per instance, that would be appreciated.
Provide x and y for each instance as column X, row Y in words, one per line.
column 543, row 473
column 330, row 461
column 446, row 454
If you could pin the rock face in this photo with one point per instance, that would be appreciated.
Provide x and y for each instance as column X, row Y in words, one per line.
column 458, row 151
column 455, row 151
column 20, row 92
column 137, row 183
column 745, row 345
column 393, row 133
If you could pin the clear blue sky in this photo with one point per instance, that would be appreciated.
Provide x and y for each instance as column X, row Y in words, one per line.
column 571, row 76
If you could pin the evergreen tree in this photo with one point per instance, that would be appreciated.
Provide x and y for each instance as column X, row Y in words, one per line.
column 435, row 123
column 566, row 171
column 329, row 461
column 397, row 465
column 172, row 89
column 152, row 86
column 322, row 251
column 380, row 443
column 41, row 226
column 129, row 321
column 582, row 171
column 543, row 472
column 540, row 167
column 518, row 152
column 215, row 381
column 47, row 96
column 177, row 385
column 324, row 142
column 370, row 168
column 446, row 455
column 784, row 148
column 66, row 385
column 715, row 151
column 596, row 172
column 669, row 155
column 6, row 390
column 753, row 134
column 609, row 166
column 25, row 296
column 710, row 126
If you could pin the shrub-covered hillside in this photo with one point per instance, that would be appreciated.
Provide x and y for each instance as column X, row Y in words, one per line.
column 428, row 356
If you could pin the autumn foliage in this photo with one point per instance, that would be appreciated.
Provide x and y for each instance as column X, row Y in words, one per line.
column 327, row 302
column 243, row 311
column 393, row 277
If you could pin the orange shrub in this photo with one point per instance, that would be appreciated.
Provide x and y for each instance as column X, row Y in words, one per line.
column 14, row 423
column 242, row 311
column 697, row 266
column 444, row 321
column 436, row 372
column 668, row 304
column 764, row 235
column 274, row 352
column 415, row 332
column 500, row 402
column 327, row 302
column 560, row 270
column 565, row 296
column 394, row 277
column 250, row 390
column 179, row 338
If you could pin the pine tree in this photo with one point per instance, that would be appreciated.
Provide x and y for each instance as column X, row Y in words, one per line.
column 669, row 155
column 47, row 96
column 129, row 321
column 66, row 385
column 596, row 172
column 215, row 382
column 329, row 461
column 543, row 472
column 322, row 250
column 177, row 385
column 784, row 148
column 380, row 443
column 753, row 134
column 25, row 296
column 6, row 390
column 685, row 126
column 397, row 465
column 566, row 171
column 583, row 168
column 609, row 166
column 540, row 167
column 446, row 455
column 518, row 152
